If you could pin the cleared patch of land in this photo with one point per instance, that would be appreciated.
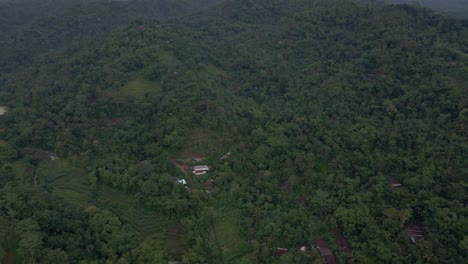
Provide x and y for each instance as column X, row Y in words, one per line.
column 225, row 231
column 137, row 89
column 203, row 143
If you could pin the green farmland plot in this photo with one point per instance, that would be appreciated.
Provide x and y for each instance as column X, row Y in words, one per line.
column 65, row 180
column 71, row 183
column 227, row 235
column 146, row 223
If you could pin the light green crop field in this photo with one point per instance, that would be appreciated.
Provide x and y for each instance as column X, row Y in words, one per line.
column 147, row 224
column 137, row 89
column 65, row 180
column 227, row 236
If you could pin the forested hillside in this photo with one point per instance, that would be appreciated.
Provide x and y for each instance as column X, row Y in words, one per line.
column 320, row 121
column 31, row 28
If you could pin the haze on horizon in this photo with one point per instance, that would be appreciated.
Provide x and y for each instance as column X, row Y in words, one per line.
column 457, row 8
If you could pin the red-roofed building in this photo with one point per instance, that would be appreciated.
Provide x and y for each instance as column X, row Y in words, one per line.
column 281, row 251
column 415, row 233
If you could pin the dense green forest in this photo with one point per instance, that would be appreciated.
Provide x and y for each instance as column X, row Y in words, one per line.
column 315, row 117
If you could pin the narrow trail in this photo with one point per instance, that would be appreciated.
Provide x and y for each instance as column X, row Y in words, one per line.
column 35, row 177
column 180, row 167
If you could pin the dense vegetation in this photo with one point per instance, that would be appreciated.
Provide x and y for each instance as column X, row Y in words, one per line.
column 318, row 102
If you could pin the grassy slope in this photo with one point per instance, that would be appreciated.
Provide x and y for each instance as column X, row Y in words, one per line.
column 65, row 180
column 10, row 245
column 228, row 238
column 136, row 89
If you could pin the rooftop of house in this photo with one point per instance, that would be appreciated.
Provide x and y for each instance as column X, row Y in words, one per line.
column 201, row 168
column 415, row 233
column 393, row 181
column 182, row 181
column 280, row 251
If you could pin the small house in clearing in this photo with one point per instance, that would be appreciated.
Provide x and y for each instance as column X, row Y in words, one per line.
column 200, row 169
column 53, row 156
column 415, row 233
column 394, row 183
column 182, row 181
column 305, row 250
column 281, row 251
column 325, row 252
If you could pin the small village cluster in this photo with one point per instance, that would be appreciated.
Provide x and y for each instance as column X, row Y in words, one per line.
column 197, row 170
column 413, row 232
column 323, row 249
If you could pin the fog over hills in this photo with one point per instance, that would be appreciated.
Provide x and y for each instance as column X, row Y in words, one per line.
column 457, row 8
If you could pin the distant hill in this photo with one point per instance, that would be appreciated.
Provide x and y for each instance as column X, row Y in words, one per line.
column 457, row 8
column 31, row 27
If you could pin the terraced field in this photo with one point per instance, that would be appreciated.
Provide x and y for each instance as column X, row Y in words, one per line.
column 71, row 183
column 65, row 180
column 147, row 224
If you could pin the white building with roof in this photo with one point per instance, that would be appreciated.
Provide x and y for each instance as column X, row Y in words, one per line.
column 182, row 181
column 200, row 169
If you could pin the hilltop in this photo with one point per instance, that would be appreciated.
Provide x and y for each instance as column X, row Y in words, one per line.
column 30, row 29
